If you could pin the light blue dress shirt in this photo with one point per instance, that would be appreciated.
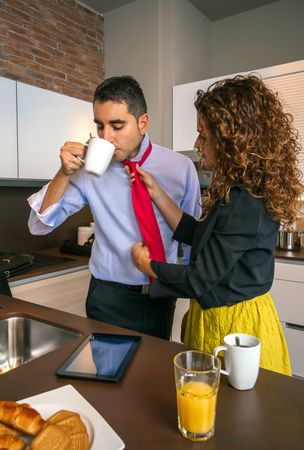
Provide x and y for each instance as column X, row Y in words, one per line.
column 109, row 198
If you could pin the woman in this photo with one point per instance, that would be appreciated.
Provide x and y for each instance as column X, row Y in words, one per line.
column 249, row 143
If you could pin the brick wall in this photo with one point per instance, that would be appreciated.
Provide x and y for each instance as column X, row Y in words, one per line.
column 52, row 44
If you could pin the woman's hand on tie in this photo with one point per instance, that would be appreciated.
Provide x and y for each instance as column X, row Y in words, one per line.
column 170, row 211
column 153, row 187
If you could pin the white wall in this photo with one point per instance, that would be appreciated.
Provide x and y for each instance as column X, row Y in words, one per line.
column 192, row 42
column 131, row 42
column 263, row 37
column 187, row 30
column 163, row 43
column 150, row 40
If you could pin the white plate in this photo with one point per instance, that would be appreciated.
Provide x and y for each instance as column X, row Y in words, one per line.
column 101, row 435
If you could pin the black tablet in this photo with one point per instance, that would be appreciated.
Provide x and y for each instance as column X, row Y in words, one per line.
column 100, row 357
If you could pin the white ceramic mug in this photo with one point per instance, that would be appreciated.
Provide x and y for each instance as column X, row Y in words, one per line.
column 98, row 156
column 242, row 361
column 83, row 234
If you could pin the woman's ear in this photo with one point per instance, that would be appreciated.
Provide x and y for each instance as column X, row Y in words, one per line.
column 143, row 122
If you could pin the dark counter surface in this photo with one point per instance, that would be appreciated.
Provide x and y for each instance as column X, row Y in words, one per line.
column 75, row 261
column 290, row 256
column 142, row 407
column 71, row 262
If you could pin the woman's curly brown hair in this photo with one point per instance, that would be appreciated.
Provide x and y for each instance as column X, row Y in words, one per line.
column 257, row 145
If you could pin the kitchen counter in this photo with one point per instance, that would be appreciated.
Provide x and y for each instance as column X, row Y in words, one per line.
column 78, row 262
column 142, row 407
column 72, row 263
column 288, row 256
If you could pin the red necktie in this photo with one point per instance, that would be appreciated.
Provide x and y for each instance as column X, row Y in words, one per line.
column 144, row 211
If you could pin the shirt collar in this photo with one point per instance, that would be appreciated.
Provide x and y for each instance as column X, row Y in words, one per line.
column 142, row 149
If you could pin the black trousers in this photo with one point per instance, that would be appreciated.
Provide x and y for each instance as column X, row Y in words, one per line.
column 128, row 309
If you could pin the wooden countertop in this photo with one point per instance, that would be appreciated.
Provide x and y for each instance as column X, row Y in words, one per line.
column 142, row 407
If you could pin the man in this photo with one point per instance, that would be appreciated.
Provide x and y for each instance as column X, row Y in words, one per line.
column 118, row 291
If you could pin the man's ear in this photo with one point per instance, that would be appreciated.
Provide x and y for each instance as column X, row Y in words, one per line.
column 143, row 122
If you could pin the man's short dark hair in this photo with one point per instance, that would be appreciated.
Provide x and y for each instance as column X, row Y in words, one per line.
column 123, row 89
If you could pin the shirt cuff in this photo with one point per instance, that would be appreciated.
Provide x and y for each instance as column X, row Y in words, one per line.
column 50, row 215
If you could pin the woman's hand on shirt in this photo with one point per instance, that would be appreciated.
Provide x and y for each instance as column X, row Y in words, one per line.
column 72, row 155
column 141, row 258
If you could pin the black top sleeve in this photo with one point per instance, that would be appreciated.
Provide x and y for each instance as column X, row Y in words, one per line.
column 185, row 229
column 231, row 259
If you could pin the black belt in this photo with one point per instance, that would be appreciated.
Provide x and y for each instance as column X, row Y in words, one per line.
column 141, row 289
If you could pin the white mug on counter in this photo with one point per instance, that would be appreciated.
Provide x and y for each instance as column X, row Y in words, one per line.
column 98, row 156
column 83, row 234
column 242, row 359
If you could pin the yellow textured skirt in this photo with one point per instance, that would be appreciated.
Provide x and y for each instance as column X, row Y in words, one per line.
column 206, row 329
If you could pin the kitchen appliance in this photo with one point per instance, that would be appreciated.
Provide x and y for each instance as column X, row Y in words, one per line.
column 204, row 176
column 288, row 240
column 12, row 263
column 41, row 260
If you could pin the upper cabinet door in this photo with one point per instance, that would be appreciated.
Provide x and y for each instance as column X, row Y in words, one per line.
column 46, row 120
column 8, row 129
column 286, row 79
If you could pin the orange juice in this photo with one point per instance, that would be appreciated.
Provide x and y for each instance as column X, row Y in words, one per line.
column 196, row 403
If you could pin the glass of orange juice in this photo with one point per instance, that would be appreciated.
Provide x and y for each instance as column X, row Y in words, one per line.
column 197, row 378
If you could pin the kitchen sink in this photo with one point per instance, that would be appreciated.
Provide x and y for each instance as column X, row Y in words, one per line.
column 23, row 339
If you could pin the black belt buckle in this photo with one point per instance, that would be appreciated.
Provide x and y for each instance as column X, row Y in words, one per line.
column 145, row 289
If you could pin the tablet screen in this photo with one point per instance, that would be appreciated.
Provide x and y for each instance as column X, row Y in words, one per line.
column 101, row 356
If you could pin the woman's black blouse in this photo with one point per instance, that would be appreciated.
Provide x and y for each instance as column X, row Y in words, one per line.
column 232, row 254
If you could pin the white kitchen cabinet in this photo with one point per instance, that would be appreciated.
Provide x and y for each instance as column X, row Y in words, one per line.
column 295, row 341
column 182, row 306
column 45, row 121
column 286, row 79
column 34, row 124
column 66, row 292
column 288, row 294
column 8, row 129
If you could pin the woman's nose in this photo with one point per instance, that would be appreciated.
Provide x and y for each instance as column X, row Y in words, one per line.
column 196, row 143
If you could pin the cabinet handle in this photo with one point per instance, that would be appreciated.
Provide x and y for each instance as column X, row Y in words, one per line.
column 294, row 326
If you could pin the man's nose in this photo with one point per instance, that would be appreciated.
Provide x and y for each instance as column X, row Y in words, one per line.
column 107, row 134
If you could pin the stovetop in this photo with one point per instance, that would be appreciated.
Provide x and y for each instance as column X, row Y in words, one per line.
column 42, row 261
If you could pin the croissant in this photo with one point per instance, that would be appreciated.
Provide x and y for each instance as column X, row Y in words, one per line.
column 21, row 417
column 4, row 429
column 10, row 442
